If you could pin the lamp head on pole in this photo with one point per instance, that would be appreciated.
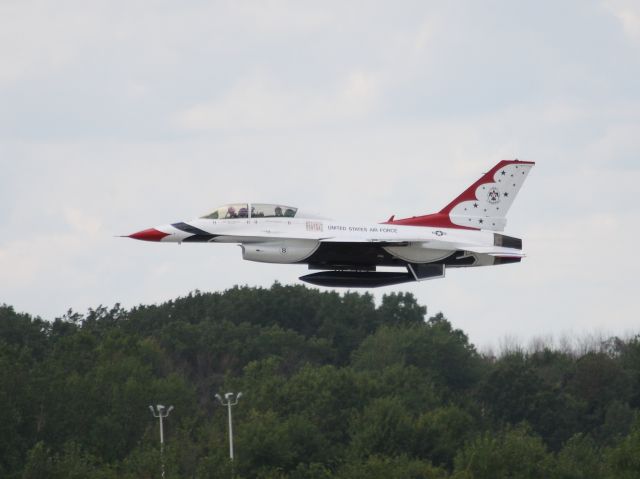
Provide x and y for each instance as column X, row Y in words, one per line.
column 228, row 399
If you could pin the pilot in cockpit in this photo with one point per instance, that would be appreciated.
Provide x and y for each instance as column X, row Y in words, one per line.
column 278, row 211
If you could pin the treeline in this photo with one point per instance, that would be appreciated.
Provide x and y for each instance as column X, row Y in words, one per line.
column 333, row 386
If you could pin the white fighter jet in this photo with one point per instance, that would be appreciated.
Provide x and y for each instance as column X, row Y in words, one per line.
column 347, row 254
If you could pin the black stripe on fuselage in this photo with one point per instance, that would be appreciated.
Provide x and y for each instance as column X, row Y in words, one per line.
column 199, row 236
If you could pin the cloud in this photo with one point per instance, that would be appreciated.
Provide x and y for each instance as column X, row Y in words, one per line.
column 83, row 222
column 628, row 14
column 38, row 37
column 260, row 102
column 116, row 117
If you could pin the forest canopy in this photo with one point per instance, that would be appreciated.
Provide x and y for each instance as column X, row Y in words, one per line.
column 334, row 385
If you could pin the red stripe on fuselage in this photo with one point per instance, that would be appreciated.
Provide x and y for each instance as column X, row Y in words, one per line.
column 436, row 220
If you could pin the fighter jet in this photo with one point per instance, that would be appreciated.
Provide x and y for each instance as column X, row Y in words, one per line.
column 465, row 233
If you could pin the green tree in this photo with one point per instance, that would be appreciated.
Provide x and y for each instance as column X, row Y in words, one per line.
column 441, row 432
column 441, row 352
column 514, row 452
column 618, row 419
column 598, row 379
column 267, row 443
column 580, row 458
column 509, row 391
column 513, row 391
column 333, row 387
column 74, row 463
column 328, row 396
column 623, row 460
column 401, row 309
column 39, row 463
column 629, row 359
column 383, row 428
column 399, row 467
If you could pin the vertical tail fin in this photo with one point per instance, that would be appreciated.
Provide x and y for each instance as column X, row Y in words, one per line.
column 484, row 205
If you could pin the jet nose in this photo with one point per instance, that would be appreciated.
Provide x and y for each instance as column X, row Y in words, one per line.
column 150, row 234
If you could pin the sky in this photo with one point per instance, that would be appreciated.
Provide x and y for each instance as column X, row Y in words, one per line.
column 116, row 116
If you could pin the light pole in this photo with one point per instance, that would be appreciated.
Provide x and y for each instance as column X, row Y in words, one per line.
column 229, row 401
column 161, row 414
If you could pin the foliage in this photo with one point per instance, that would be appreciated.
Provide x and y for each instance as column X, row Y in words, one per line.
column 334, row 386
column 513, row 452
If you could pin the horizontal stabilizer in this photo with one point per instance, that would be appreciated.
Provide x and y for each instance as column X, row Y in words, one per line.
column 495, row 251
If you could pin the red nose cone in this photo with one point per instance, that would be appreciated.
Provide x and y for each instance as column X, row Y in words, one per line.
column 149, row 235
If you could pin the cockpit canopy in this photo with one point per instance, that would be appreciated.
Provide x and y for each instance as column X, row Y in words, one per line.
column 251, row 210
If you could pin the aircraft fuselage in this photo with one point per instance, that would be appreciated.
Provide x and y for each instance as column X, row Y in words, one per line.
column 464, row 233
